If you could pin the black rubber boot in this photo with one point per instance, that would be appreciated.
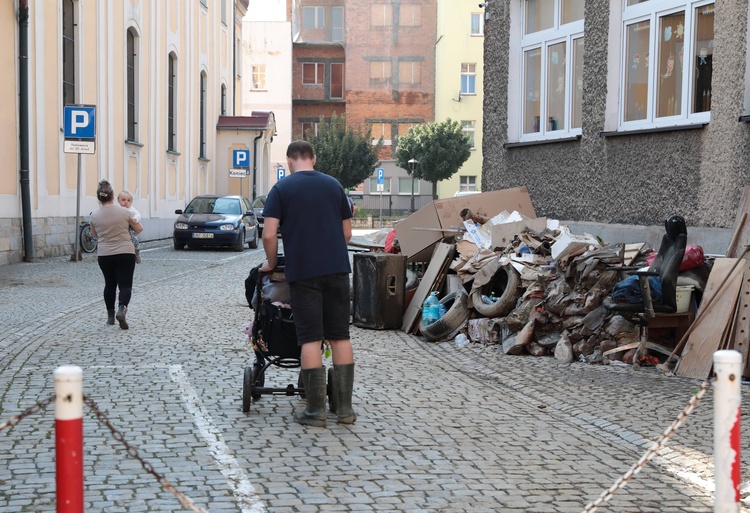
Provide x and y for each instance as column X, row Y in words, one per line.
column 111, row 317
column 344, row 385
column 314, row 414
column 120, row 316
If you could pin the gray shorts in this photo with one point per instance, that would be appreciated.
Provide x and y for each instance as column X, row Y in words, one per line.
column 321, row 308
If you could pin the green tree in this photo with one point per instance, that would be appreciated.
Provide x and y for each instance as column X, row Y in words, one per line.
column 440, row 147
column 343, row 152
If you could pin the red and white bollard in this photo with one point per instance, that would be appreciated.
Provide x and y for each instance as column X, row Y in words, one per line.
column 727, row 402
column 69, row 438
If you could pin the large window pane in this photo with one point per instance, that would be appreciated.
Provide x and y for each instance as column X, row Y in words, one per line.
column 556, row 87
column 539, row 15
column 577, row 85
column 703, row 58
column 405, row 185
column 532, row 66
column 337, row 80
column 636, row 71
column 337, row 23
column 670, row 47
column 572, row 10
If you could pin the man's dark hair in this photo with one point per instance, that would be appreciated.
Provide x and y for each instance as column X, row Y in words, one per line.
column 300, row 149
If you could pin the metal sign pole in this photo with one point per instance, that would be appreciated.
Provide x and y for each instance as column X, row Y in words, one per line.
column 76, row 256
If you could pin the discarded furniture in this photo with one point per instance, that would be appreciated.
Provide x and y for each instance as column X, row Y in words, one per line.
column 666, row 266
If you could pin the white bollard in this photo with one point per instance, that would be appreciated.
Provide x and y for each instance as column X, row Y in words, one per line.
column 727, row 402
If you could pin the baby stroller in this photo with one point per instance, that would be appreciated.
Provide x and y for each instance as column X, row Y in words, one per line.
column 273, row 337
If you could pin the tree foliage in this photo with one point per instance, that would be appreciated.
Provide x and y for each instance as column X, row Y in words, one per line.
column 440, row 147
column 343, row 152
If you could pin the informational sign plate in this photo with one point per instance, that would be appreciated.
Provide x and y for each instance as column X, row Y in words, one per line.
column 238, row 173
column 88, row 147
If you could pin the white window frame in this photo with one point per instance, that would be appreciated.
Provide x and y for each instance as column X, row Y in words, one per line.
column 479, row 16
column 467, row 183
column 468, row 73
column 319, row 80
column 386, row 185
column 652, row 12
column 258, row 78
column 334, row 28
column 319, row 21
column 381, row 130
column 408, row 192
column 411, row 80
column 470, row 129
column 543, row 40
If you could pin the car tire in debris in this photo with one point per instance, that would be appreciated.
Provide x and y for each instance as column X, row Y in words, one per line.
column 505, row 286
column 456, row 315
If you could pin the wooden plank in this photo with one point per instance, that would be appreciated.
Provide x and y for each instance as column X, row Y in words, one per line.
column 631, row 252
column 440, row 260
column 740, row 339
column 741, row 231
column 709, row 331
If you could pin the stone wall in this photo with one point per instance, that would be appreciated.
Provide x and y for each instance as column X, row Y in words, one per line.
column 52, row 236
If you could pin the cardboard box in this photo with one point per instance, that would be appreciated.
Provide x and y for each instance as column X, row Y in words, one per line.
column 419, row 232
column 503, row 234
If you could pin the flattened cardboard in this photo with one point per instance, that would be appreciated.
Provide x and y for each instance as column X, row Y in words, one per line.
column 503, row 234
column 445, row 214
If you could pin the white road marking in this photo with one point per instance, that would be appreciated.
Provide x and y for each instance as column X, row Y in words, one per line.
column 243, row 490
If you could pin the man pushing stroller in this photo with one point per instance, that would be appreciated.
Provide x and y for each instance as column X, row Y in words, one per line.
column 312, row 212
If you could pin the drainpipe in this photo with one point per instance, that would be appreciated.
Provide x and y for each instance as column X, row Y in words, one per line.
column 255, row 162
column 23, row 128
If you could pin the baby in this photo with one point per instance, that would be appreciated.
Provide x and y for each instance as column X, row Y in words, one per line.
column 125, row 199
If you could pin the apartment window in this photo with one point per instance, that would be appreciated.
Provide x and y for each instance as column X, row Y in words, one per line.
column 337, row 80
column 223, row 100
column 171, row 102
column 224, row 11
column 337, row 23
column 259, row 77
column 404, row 185
column 313, row 17
column 468, row 128
column 477, row 24
column 380, row 72
column 132, row 81
column 467, row 183
column 668, row 62
column 386, row 186
column 410, row 16
column 202, row 119
column 552, row 75
column 410, row 72
column 68, row 53
column 468, row 78
column 379, row 130
column 204, row 3
column 380, row 15
column 309, row 130
column 313, row 73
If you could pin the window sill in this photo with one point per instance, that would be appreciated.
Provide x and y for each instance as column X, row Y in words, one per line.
column 541, row 141
column 133, row 143
column 174, row 152
column 258, row 90
column 744, row 118
column 656, row 130
column 468, row 94
column 204, row 159
column 476, row 35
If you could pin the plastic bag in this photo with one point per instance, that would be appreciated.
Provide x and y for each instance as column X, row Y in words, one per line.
column 693, row 257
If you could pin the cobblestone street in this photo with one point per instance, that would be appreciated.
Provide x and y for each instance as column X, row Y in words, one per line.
column 439, row 428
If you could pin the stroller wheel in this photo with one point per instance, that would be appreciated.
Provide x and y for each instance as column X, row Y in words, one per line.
column 258, row 381
column 247, row 383
column 331, row 390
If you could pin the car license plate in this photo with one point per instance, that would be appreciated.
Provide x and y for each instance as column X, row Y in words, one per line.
column 203, row 235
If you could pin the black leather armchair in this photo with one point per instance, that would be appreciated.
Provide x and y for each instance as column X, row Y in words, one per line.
column 667, row 267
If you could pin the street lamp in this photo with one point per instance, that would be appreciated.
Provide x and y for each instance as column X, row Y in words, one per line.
column 413, row 165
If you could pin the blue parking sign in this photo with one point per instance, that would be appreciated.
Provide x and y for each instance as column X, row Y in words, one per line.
column 280, row 173
column 381, row 175
column 80, row 121
column 241, row 158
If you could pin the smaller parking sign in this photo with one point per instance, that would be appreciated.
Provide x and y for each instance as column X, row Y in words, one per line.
column 280, row 173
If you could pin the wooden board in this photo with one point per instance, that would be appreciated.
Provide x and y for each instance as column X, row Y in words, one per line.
column 741, row 229
column 631, row 252
column 740, row 339
column 434, row 274
column 707, row 336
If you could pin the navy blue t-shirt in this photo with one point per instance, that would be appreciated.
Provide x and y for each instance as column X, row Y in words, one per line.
column 310, row 207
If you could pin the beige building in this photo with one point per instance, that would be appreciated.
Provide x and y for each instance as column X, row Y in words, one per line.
column 160, row 73
column 459, row 57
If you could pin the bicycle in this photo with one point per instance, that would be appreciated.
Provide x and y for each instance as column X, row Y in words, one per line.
column 88, row 241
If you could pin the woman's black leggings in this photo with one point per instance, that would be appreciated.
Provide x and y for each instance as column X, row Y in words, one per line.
column 118, row 273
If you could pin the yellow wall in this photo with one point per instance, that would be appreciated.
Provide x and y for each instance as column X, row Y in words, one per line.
column 455, row 46
column 9, row 177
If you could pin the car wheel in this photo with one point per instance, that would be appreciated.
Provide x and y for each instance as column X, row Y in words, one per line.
column 253, row 243
column 241, row 244
column 456, row 315
column 178, row 246
column 506, row 279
